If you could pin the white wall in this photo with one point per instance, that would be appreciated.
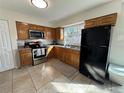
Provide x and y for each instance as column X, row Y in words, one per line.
column 12, row 17
column 108, row 8
column 117, row 44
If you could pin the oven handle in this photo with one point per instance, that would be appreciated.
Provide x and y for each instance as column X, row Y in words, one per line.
column 38, row 58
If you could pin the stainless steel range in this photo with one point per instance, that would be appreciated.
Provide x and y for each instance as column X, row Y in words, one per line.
column 39, row 53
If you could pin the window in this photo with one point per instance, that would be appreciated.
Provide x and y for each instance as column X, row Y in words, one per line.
column 72, row 34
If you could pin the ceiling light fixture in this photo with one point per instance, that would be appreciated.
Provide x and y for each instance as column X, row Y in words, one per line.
column 39, row 3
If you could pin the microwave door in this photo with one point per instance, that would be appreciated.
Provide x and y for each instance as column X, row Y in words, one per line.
column 36, row 34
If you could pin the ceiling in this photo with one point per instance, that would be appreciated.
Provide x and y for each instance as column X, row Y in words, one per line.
column 57, row 9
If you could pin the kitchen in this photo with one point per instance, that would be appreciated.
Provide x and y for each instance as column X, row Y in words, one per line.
column 50, row 38
column 52, row 56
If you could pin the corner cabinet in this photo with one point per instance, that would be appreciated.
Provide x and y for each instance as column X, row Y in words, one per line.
column 22, row 30
column 100, row 21
column 49, row 33
column 60, row 33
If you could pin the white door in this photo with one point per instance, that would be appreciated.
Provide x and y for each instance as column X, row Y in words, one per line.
column 6, row 57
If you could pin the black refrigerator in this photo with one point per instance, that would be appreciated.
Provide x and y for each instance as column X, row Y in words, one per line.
column 94, row 52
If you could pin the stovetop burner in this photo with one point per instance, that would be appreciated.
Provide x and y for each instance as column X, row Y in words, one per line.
column 34, row 45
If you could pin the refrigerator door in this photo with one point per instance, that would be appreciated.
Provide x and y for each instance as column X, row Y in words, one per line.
column 96, row 57
column 98, row 36
column 94, row 51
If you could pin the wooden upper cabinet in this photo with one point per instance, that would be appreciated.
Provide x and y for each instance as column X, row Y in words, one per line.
column 91, row 23
column 36, row 27
column 104, row 20
column 22, row 30
column 59, row 33
column 49, row 33
column 110, row 19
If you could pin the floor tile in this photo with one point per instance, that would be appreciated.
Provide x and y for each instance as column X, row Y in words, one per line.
column 96, row 89
column 117, row 88
column 5, row 76
column 68, row 87
column 80, row 79
column 39, row 77
column 48, row 88
column 6, row 87
column 62, row 79
column 20, row 72
column 23, row 84
column 52, row 77
column 65, row 69
column 74, row 75
column 100, row 87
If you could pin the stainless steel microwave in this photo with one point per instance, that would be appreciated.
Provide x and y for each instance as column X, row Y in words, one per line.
column 34, row 34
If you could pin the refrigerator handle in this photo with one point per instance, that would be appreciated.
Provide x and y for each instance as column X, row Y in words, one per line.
column 104, row 46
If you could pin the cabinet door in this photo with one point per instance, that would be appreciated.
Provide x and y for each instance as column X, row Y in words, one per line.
column 36, row 27
column 26, row 59
column 49, row 33
column 59, row 33
column 103, row 20
column 75, row 58
column 91, row 23
column 22, row 30
column 56, row 49
column 67, row 58
column 51, row 52
column 61, row 53
column 110, row 19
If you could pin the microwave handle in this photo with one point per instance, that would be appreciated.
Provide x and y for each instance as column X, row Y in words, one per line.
column 42, row 35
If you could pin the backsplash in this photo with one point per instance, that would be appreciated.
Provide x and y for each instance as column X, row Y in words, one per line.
column 43, row 42
column 60, row 42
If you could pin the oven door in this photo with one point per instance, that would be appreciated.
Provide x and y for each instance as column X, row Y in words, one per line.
column 39, row 53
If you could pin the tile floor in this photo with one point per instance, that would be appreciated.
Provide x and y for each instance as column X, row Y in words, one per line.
column 51, row 77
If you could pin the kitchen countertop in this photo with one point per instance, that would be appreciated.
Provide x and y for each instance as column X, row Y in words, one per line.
column 62, row 46
column 22, row 48
column 73, row 48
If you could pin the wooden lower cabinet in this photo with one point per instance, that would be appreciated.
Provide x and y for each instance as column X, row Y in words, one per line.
column 68, row 56
column 75, row 58
column 50, row 52
column 25, row 57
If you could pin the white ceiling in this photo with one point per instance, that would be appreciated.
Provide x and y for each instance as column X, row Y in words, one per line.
column 57, row 9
